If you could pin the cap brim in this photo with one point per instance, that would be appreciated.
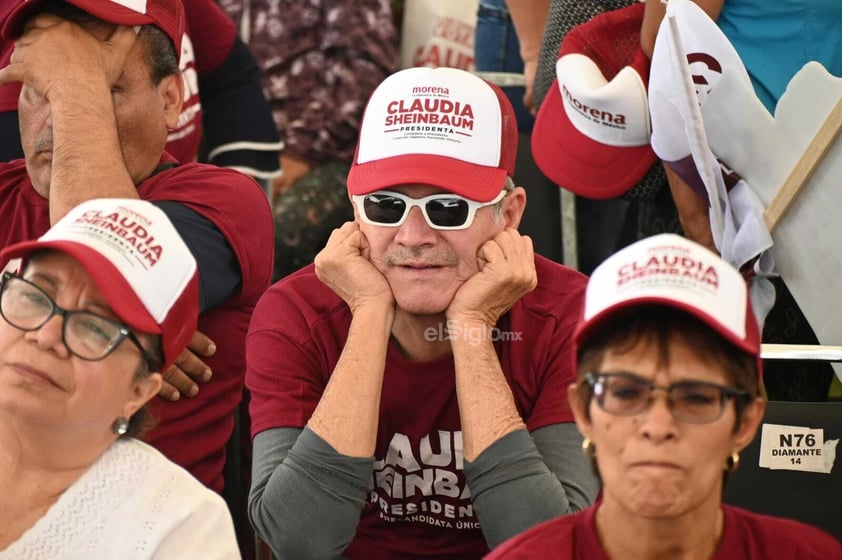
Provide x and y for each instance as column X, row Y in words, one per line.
column 476, row 182
column 585, row 329
column 579, row 164
column 106, row 11
column 117, row 291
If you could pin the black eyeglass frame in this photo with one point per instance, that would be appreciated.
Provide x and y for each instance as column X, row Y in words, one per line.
column 595, row 379
column 124, row 331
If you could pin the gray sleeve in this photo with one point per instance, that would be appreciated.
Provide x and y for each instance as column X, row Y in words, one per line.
column 524, row 479
column 305, row 498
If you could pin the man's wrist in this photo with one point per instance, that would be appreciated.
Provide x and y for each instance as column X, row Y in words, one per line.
column 459, row 329
column 374, row 311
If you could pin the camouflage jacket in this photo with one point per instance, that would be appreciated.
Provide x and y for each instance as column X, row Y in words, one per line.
column 320, row 60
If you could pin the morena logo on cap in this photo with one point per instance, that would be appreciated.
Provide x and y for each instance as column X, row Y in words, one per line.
column 672, row 262
column 136, row 258
column 436, row 126
column 671, row 270
column 123, row 229
column 138, row 240
column 592, row 131
column 457, row 117
column 613, row 112
column 453, row 117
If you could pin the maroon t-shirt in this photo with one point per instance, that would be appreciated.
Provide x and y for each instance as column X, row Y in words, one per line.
column 205, row 45
column 420, row 505
column 746, row 536
column 193, row 431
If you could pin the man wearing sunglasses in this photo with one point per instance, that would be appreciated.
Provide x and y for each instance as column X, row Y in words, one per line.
column 408, row 389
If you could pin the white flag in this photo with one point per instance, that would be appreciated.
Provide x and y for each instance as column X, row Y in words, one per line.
column 691, row 53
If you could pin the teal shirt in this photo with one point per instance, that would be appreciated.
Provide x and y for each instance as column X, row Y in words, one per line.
column 775, row 38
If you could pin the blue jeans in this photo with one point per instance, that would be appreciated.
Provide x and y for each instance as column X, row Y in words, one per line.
column 496, row 49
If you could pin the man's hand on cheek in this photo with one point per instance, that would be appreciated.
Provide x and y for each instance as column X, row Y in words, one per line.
column 506, row 273
column 344, row 266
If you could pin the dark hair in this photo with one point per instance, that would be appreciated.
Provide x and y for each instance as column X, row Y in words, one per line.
column 159, row 52
column 661, row 325
column 142, row 420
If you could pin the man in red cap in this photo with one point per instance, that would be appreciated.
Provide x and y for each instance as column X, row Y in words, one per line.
column 225, row 112
column 100, row 89
column 412, row 382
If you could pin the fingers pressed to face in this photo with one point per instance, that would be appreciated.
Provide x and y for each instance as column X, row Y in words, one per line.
column 344, row 238
column 123, row 38
column 515, row 250
column 41, row 21
column 54, row 50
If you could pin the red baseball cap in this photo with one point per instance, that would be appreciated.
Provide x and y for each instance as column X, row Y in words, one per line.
column 436, row 126
column 591, row 135
column 671, row 270
column 138, row 261
column 166, row 14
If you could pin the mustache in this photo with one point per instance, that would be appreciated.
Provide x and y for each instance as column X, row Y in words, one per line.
column 419, row 254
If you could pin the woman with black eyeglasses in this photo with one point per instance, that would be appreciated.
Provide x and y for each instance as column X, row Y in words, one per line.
column 669, row 392
column 99, row 306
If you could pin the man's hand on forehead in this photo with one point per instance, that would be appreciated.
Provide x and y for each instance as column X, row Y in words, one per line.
column 106, row 32
column 54, row 52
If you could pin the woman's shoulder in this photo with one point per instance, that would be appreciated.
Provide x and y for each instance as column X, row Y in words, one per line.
column 167, row 511
column 754, row 535
column 157, row 475
column 131, row 503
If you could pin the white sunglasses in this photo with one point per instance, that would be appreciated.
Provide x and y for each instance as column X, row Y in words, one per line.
column 441, row 211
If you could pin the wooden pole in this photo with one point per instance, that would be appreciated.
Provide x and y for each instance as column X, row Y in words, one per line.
column 804, row 167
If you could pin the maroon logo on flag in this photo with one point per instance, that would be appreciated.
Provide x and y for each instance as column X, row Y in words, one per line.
column 705, row 65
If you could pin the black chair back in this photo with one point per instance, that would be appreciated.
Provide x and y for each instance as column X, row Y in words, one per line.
column 810, row 497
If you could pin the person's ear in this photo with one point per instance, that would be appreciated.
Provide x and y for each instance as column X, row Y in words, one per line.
column 171, row 90
column 513, row 207
column 752, row 417
column 142, row 392
column 580, row 415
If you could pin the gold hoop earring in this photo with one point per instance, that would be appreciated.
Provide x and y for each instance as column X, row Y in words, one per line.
column 732, row 462
column 588, row 448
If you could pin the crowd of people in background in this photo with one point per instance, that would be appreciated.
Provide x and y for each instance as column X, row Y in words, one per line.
column 266, row 293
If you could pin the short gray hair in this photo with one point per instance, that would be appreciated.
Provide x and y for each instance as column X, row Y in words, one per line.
column 508, row 186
